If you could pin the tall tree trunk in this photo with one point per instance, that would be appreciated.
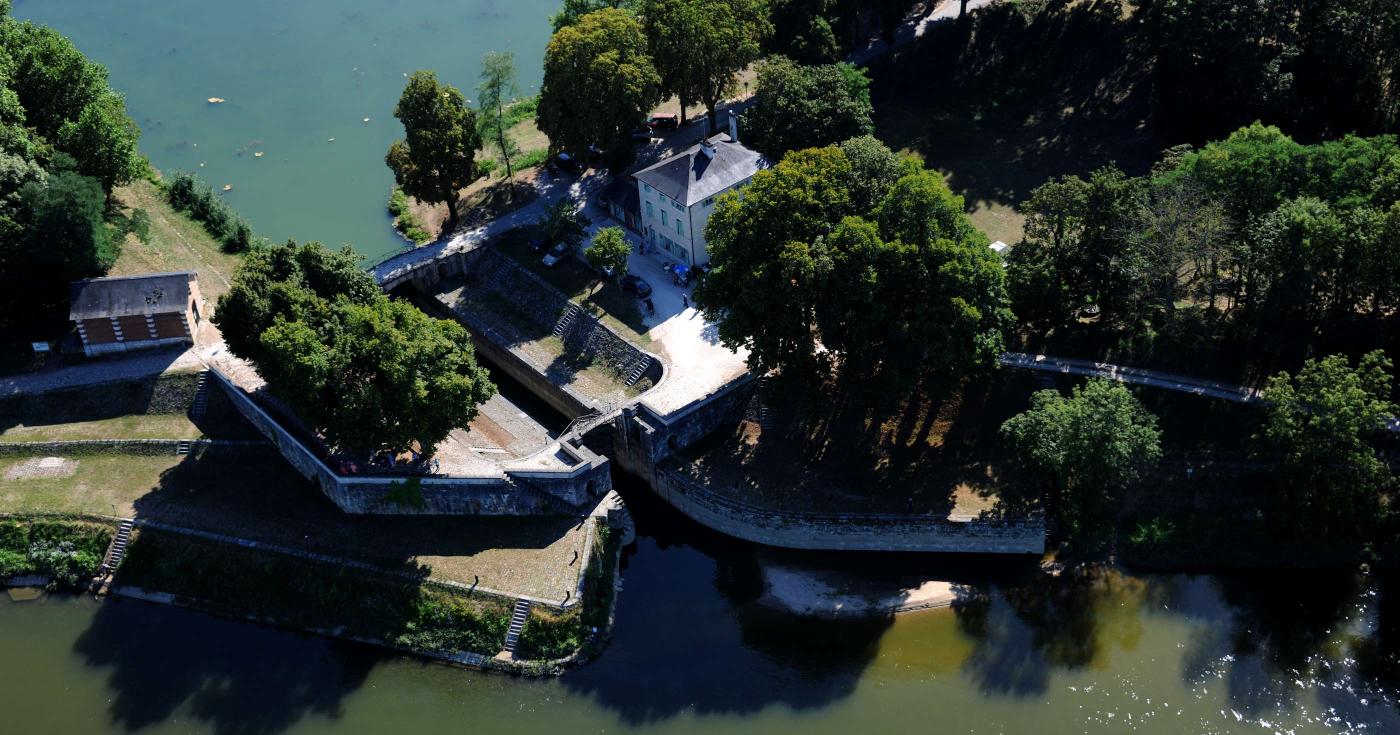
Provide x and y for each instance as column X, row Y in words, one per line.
column 712, row 114
column 451, row 212
column 962, row 9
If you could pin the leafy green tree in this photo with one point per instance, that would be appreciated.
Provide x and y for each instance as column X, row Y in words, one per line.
column 807, row 106
column 803, row 31
column 438, row 156
column 874, row 169
column 496, row 90
column 561, row 223
column 599, row 81
column 573, row 10
column 700, row 46
column 103, row 141
column 1320, row 426
column 366, row 372
column 52, row 79
column 609, row 250
column 1089, row 449
column 62, row 237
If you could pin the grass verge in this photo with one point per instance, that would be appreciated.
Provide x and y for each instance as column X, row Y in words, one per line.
column 297, row 593
column 552, row 635
column 174, row 242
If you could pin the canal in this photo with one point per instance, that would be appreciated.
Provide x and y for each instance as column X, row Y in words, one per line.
column 694, row 651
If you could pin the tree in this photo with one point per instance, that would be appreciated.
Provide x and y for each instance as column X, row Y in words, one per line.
column 365, row 372
column 52, row 79
column 609, row 251
column 438, row 156
column 561, row 223
column 807, row 106
column 1088, row 448
column 874, row 169
column 599, row 81
column 103, row 141
column 700, row 46
column 497, row 88
column 803, row 32
column 898, row 298
column 61, row 237
column 1319, row 426
column 572, row 10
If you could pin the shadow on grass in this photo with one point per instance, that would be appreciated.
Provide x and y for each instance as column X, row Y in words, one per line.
column 1009, row 99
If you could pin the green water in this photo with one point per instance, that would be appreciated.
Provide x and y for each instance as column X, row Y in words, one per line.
column 695, row 653
column 295, row 73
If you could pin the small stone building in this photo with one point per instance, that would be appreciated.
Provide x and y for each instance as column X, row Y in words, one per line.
column 126, row 313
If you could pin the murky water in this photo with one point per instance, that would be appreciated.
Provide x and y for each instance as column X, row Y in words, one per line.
column 295, row 74
column 694, row 652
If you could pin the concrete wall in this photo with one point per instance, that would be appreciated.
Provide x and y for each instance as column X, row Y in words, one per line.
column 847, row 532
column 535, row 492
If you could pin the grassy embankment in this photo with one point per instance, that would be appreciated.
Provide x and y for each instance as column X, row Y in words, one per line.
column 552, row 635
column 174, row 243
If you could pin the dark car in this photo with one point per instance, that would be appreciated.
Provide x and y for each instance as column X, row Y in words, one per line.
column 664, row 122
column 556, row 254
column 642, row 134
column 569, row 163
column 635, row 284
column 537, row 244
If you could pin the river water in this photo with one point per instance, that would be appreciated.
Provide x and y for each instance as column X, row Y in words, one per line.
column 294, row 74
column 695, row 651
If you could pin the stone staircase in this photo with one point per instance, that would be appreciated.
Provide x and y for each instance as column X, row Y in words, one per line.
column 636, row 370
column 765, row 415
column 182, row 448
column 570, row 316
column 619, row 517
column 518, row 618
column 201, row 396
column 116, row 551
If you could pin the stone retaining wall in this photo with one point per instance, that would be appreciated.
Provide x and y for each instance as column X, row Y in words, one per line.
column 145, row 447
column 847, row 532
column 536, row 492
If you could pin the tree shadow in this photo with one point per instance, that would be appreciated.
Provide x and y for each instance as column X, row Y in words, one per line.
column 691, row 637
column 238, row 679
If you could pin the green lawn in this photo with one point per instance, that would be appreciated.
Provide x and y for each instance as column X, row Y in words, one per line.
column 104, row 484
column 155, row 426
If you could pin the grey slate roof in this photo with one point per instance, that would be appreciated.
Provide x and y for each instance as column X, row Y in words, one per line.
column 152, row 293
column 623, row 192
column 691, row 176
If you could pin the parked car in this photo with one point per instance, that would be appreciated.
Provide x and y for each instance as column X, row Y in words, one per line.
column 555, row 254
column 537, row 244
column 642, row 134
column 637, row 285
column 664, row 122
column 569, row 163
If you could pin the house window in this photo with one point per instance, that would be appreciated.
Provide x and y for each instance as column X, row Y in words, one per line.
column 678, row 206
column 680, row 228
column 647, row 187
column 663, row 219
column 649, row 212
column 710, row 202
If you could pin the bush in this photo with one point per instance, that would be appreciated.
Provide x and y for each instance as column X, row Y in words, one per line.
column 193, row 197
column 68, row 552
column 404, row 221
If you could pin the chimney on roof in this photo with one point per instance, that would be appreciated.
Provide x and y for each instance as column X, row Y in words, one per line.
column 733, row 127
column 707, row 147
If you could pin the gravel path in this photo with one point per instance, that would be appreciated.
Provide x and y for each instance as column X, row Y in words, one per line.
column 102, row 370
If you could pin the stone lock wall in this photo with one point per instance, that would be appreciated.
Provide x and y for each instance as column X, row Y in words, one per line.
column 542, row 492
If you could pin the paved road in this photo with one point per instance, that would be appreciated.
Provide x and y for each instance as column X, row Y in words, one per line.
column 914, row 28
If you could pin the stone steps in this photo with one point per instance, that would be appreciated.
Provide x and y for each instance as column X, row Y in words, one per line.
column 182, row 448
column 571, row 315
column 518, row 617
column 116, row 551
column 201, row 396
column 637, row 370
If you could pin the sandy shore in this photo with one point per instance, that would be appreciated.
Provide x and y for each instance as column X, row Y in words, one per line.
column 824, row 594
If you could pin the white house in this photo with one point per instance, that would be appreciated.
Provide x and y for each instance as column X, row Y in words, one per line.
column 677, row 194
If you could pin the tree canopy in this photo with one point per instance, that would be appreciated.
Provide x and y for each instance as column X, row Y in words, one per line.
column 496, row 90
column 437, row 158
column 1320, row 427
column 700, row 46
column 1087, row 449
column 902, row 295
column 807, row 106
column 609, row 250
column 599, row 82
column 364, row 371
column 65, row 142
